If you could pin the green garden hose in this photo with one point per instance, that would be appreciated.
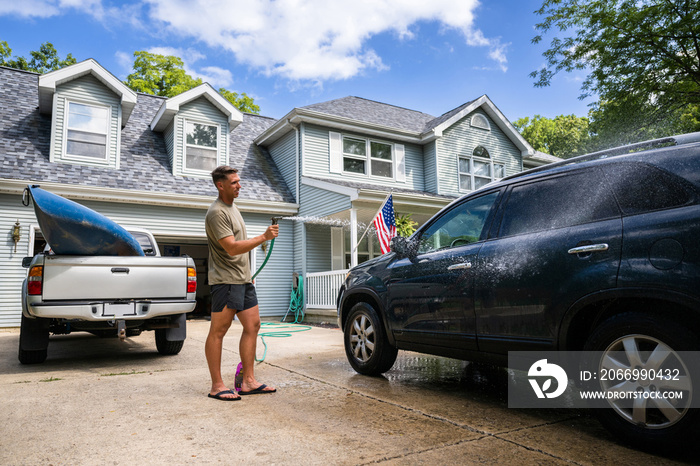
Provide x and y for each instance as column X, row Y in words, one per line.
column 281, row 330
column 296, row 301
column 269, row 251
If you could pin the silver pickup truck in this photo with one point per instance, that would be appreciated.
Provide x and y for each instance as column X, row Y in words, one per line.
column 106, row 295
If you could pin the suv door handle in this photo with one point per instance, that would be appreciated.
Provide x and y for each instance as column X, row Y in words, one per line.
column 589, row 248
column 461, row 265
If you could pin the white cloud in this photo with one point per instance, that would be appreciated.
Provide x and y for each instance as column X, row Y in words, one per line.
column 125, row 61
column 48, row 8
column 314, row 40
column 300, row 40
column 217, row 77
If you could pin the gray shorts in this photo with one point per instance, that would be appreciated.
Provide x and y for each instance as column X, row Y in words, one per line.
column 235, row 297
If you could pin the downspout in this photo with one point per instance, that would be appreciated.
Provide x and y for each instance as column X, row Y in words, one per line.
column 299, row 161
column 296, row 160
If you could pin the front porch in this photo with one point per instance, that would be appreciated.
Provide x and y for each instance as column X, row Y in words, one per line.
column 321, row 294
column 334, row 227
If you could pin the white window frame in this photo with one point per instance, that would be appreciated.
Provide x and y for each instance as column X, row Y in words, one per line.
column 472, row 176
column 185, row 145
column 65, row 155
column 474, row 123
column 367, row 158
column 371, row 253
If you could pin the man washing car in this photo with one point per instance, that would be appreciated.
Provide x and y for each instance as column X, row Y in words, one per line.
column 232, row 289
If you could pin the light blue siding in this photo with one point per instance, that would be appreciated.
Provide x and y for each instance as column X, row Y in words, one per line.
column 429, row 168
column 317, row 202
column 274, row 283
column 460, row 139
column 283, row 152
column 318, row 256
column 87, row 90
column 12, row 274
column 169, row 137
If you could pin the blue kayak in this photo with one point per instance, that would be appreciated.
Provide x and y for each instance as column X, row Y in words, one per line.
column 73, row 229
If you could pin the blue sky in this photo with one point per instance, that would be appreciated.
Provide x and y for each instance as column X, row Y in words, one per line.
column 430, row 56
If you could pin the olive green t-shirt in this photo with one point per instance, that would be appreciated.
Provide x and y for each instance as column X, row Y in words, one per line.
column 224, row 220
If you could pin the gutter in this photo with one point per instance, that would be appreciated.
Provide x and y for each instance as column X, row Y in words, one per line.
column 190, row 201
column 299, row 115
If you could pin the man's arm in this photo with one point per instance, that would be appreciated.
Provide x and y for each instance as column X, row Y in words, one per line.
column 235, row 248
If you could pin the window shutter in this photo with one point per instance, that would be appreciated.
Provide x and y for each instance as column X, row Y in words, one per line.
column 336, row 152
column 337, row 246
column 400, row 163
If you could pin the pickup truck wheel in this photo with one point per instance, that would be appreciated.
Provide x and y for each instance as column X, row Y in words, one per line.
column 166, row 347
column 33, row 340
column 32, row 356
column 636, row 341
column 366, row 346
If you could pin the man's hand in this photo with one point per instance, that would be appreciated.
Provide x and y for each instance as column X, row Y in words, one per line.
column 272, row 232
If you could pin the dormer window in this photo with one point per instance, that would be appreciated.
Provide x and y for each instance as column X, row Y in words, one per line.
column 87, row 130
column 89, row 107
column 196, row 126
column 202, row 147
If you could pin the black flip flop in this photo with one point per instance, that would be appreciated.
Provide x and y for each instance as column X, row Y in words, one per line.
column 258, row 391
column 223, row 398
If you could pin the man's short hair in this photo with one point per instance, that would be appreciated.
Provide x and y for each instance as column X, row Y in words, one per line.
column 222, row 172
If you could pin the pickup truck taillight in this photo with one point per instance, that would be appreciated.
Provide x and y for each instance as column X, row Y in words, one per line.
column 191, row 280
column 35, row 280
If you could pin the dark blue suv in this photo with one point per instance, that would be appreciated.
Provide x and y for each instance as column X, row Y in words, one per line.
column 596, row 253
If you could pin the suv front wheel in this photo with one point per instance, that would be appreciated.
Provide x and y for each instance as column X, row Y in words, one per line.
column 643, row 343
column 366, row 345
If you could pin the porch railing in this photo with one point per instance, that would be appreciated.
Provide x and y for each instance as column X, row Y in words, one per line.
column 321, row 288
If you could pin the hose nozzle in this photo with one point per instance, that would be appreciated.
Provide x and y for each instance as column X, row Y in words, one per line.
column 276, row 219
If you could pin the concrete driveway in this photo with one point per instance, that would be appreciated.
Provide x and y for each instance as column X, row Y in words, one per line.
column 102, row 401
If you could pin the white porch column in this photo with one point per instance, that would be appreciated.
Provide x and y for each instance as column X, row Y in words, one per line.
column 353, row 236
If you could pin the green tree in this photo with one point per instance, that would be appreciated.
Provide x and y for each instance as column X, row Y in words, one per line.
column 242, row 101
column 165, row 75
column 162, row 75
column 42, row 61
column 564, row 136
column 5, row 53
column 641, row 56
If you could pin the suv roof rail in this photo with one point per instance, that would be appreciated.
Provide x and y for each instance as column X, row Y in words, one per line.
column 677, row 140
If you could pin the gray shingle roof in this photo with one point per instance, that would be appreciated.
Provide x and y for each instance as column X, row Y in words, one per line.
column 144, row 163
column 446, row 116
column 377, row 113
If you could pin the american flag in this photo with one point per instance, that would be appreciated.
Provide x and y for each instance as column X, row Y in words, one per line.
column 385, row 224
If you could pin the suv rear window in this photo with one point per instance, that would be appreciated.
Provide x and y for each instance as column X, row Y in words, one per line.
column 642, row 188
column 557, row 203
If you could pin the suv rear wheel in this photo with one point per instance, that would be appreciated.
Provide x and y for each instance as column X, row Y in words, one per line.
column 642, row 341
column 366, row 345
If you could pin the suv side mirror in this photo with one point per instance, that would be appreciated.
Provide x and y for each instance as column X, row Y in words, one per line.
column 403, row 247
column 26, row 261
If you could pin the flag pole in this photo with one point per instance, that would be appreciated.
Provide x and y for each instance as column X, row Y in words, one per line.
column 370, row 223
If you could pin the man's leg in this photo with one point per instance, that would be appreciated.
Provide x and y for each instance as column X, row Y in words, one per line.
column 220, row 323
column 250, row 320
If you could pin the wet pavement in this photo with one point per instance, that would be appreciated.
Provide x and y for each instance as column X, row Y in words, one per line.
column 102, row 401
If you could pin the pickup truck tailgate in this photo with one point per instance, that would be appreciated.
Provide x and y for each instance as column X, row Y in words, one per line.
column 114, row 277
